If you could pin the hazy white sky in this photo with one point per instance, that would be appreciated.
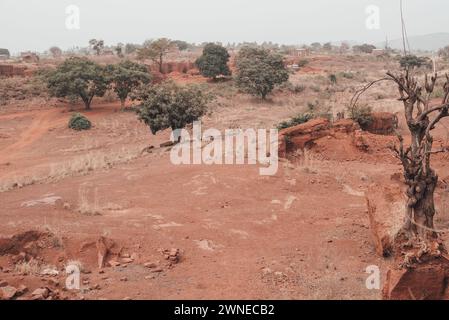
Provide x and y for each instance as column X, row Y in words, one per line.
column 39, row 24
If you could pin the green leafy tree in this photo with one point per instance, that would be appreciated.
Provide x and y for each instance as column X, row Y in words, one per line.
column 412, row 61
column 156, row 51
column 170, row 106
column 78, row 77
column 127, row 76
column 364, row 48
column 259, row 71
column 214, row 61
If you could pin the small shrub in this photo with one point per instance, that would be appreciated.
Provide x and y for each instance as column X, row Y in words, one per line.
column 438, row 93
column 315, row 88
column 79, row 122
column 361, row 115
column 347, row 75
column 293, row 88
column 299, row 119
column 333, row 78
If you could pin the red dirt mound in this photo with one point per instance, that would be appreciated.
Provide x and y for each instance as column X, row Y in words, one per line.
column 382, row 123
column 29, row 242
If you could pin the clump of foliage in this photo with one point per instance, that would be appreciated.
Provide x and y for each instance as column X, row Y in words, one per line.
column 21, row 88
column 79, row 122
column 214, row 61
column 182, row 45
column 347, row 75
column 78, row 77
column 293, row 88
column 412, row 61
column 259, row 71
column 296, row 120
column 127, row 76
column 167, row 105
column 156, row 50
column 97, row 45
column 362, row 114
column 333, row 78
column 364, row 48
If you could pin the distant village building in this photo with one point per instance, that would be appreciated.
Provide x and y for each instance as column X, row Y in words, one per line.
column 4, row 54
column 302, row 52
column 29, row 57
column 378, row 52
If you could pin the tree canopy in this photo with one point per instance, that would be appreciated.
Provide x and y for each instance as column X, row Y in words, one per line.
column 78, row 77
column 156, row 51
column 170, row 106
column 259, row 71
column 214, row 61
column 126, row 76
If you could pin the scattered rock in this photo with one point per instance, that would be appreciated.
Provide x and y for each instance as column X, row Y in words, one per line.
column 41, row 292
column 3, row 283
column 127, row 260
column 172, row 255
column 49, row 200
column 8, row 292
column 104, row 246
column 49, row 272
column 22, row 289
column 124, row 279
column 150, row 265
column 114, row 263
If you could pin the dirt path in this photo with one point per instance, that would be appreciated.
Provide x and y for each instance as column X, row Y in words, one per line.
column 42, row 122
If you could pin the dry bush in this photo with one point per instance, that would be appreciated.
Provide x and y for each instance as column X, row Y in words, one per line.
column 79, row 165
column 86, row 207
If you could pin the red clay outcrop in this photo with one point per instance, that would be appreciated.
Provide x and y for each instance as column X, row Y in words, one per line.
column 382, row 123
column 303, row 135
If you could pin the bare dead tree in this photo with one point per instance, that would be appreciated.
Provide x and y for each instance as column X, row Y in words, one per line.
column 420, row 178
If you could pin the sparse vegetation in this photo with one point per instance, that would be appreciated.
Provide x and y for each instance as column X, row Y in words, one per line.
column 361, row 114
column 97, row 45
column 156, row 50
column 214, row 61
column 296, row 120
column 127, row 76
column 259, row 71
column 170, row 106
column 79, row 122
column 412, row 61
column 78, row 77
